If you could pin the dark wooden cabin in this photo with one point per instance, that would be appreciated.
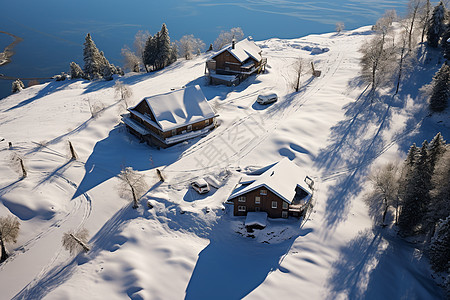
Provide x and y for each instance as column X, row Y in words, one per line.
column 167, row 119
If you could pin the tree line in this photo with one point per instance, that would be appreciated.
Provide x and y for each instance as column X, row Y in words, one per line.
column 390, row 54
column 417, row 194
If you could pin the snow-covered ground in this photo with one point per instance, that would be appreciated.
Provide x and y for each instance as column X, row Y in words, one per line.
column 189, row 245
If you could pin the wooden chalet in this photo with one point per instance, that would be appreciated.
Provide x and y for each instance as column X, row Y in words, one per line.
column 280, row 190
column 235, row 63
column 167, row 119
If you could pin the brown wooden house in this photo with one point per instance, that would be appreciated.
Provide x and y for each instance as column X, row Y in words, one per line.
column 235, row 62
column 280, row 190
column 167, row 119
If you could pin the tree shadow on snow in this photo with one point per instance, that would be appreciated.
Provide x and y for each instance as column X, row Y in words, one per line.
column 231, row 266
column 117, row 151
column 52, row 87
column 355, row 142
column 375, row 265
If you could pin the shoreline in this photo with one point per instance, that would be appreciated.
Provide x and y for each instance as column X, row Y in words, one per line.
column 8, row 52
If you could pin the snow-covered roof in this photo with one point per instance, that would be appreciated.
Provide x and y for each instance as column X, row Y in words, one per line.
column 243, row 50
column 179, row 108
column 282, row 179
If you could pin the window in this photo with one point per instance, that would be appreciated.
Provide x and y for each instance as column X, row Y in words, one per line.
column 242, row 208
column 284, row 214
column 207, row 122
column 274, row 204
column 241, row 198
column 285, row 205
column 174, row 132
column 189, row 128
column 257, row 208
column 263, row 192
column 257, row 200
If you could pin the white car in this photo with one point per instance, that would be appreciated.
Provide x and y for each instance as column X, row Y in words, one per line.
column 200, row 185
column 267, row 98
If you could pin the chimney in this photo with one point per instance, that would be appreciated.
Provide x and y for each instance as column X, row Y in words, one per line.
column 233, row 43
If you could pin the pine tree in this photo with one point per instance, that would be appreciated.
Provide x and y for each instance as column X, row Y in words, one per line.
column 76, row 71
column 408, row 218
column 440, row 247
column 441, row 89
column 436, row 25
column 93, row 62
column 436, row 150
column 150, row 50
column 164, row 48
column 440, row 194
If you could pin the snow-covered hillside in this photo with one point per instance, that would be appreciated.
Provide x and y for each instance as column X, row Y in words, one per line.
column 189, row 245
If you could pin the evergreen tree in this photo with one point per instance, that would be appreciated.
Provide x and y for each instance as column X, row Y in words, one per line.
column 436, row 150
column 441, row 89
column 408, row 218
column 164, row 48
column 159, row 52
column 440, row 247
column 440, row 194
column 436, row 25
column 150, row 50
column 93, row 61
column 76, row 71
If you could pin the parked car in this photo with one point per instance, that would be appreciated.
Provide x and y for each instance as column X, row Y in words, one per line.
column 267, row 98
column 200, row 185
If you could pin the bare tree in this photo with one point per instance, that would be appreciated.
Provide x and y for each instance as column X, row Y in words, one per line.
column 131, row 60
column 385, row 182
column 9, row 230
column 124, row 91
column 378, row 54
column 405, row 56
column 425, row 13
column 132, row 186
column 226, row 37
column 140, row 39
column 189, row 45
column 76, row 241
column 413, row 12
column 298, row 68
column 340, row 27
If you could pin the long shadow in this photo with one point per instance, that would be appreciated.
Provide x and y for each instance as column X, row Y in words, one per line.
column 351, row 149
column 107, row 238
column 375, row 265
column 233, row 265
column 49, row 88
column 119, row 150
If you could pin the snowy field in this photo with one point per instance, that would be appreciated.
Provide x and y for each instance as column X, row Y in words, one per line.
column 189, row 245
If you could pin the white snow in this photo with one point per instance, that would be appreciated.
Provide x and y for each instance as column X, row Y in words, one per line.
column 189, row 245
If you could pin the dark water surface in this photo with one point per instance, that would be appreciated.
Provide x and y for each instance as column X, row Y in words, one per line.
column 54, row 31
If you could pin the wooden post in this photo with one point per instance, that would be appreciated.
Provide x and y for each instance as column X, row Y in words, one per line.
column 161, row 178
column 72, row 151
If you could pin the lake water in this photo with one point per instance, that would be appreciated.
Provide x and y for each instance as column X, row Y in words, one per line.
column 54, row 31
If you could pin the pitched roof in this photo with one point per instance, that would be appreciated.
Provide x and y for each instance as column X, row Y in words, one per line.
column 179, row 108
column 243, row 50
column 281, row 178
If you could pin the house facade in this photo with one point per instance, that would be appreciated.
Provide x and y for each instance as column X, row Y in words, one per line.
column 280, row 190
column 235, row 62
column 167, row 119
